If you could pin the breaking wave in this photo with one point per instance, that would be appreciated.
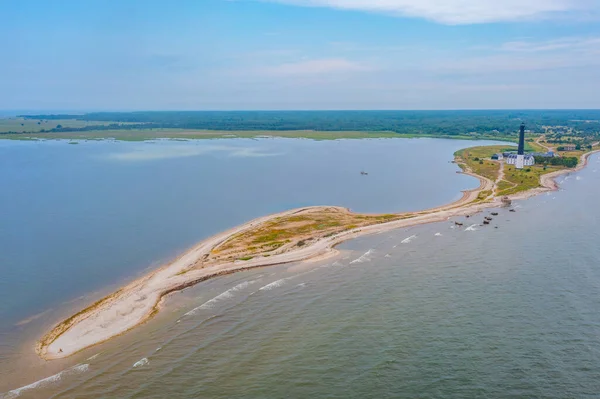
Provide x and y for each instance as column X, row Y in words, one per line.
column 364, row 257
column 224, row 295
column 438, row 234
column 78, row 369
column 471, row 228
column 141, row 362
column 408, row 239
column 274, row 284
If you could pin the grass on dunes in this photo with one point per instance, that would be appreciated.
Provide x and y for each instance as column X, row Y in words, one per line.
column 478, row 160
column 295, row 230
column 504, row 185
column 524, row 179
column 535, row 147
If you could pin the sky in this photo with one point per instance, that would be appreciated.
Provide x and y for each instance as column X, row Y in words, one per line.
column 101, row 55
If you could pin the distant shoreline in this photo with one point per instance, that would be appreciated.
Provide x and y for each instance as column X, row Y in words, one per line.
column 198, row 134
column 140, row 300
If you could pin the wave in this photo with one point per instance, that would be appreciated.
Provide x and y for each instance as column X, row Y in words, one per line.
column 388, row 256
column 224, row 295
column 408, row 240
column 78, row 369
column 336, row 263
column 578, row 178
column 274, row 284
column 141, row 362
column 364, row 257
column 93, row 357
column 438, row 234
column 471, row 227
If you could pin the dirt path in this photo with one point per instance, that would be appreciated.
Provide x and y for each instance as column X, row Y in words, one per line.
column 538, row 142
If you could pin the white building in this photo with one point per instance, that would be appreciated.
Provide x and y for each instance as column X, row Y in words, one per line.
column 513, row 159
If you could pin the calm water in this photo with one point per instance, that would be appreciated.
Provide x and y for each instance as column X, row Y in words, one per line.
column 479, row 312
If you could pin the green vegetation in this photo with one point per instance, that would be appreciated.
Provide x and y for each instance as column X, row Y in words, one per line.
column 524, row 179
column 295, row 230
column 497, row 125
column 20, row 125
column 477, row 160
column 569, row 162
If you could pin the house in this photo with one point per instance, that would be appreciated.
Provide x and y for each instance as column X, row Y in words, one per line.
column 497, row 157
column 569, row 147
column 528, row 159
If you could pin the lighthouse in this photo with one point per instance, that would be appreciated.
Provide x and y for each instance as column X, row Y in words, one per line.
column 520, row 162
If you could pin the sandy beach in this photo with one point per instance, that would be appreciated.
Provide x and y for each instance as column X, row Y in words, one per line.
column 140, row 300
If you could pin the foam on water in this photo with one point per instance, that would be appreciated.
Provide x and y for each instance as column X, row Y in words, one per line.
column 274, row 284
column 438, row 234
column 472, row 227
column 388, row 255
column 364, row 257
column 578, row 178
column 78, row 369
column 408, row 239
column 224, row 295
column 141, row 362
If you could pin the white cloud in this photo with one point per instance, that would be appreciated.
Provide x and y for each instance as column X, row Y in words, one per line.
column 590, row 44
column 456, row 12
column 315, row 67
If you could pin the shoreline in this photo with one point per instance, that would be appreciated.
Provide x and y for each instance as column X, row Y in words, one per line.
column 141, row 299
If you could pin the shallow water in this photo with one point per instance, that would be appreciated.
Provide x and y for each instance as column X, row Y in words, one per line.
column 430, row 311
column 78, row 218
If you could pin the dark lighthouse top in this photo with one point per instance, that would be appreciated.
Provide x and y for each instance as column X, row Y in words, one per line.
column 522, row 140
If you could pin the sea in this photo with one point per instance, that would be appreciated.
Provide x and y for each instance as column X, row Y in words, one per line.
column 508, row 309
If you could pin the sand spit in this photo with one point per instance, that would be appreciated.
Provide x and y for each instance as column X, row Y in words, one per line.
column 140, row 300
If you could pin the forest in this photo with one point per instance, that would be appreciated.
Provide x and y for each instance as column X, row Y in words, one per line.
column 487, row 123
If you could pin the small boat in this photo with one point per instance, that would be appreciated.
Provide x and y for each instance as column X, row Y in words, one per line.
column 494, row 213
column 363, row 173
column 512, row 210
column 486, row 222
column 458, row 223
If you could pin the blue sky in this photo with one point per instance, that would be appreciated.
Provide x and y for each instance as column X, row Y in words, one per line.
column 299, row 54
